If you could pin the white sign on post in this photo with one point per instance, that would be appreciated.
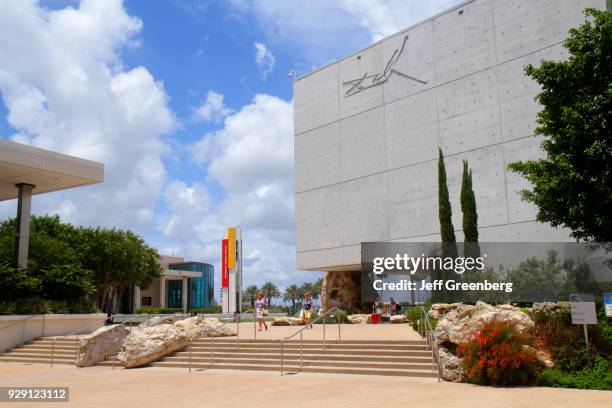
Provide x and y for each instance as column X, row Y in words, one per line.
column 583, row 308
column 608, row 303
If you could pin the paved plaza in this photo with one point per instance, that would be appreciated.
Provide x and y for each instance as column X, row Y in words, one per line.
column 156, row 387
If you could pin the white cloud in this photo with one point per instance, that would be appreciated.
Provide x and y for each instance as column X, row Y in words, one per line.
column 251, row 158
column 66, row 89
column 264, row 59
column 323, row 30
column 212, row 109
column 382, row 19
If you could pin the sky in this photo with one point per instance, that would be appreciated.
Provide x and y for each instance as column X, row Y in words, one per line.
column 189, row 106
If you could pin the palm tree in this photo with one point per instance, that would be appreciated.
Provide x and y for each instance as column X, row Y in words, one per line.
column 318, row 288
column 270, row 291
column 291, row 294
column 251, row 294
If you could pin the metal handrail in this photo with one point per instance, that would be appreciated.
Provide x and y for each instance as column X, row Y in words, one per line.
column 431, row 342
column 212, row 341
column 323, row 315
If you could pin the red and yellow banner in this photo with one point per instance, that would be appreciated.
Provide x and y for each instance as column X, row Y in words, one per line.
column 224, row 268
column 231, row 248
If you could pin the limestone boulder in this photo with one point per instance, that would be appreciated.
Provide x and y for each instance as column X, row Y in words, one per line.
column 157, row 320
column 450, row 366
column 151, row 343
column 459, row 324
column 440, row 309
column 395, row 319
column 287, row 321
column 359, row 318
column 207, row 327
column 104, row 342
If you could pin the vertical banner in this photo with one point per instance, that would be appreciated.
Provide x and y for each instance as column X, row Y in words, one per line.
column 224, row 268
column 231, row 248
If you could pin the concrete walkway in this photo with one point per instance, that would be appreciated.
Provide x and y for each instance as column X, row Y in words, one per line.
column 165, row 387
column 347, row 332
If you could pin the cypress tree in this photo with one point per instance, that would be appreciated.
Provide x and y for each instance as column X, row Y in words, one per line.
column 470, row 217
column 447, row 231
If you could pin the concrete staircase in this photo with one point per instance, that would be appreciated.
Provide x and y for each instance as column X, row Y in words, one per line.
column 392, row 358
column 39, row 351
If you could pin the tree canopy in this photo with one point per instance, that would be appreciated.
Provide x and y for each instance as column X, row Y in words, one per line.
column 572, row 185
column 68, row 263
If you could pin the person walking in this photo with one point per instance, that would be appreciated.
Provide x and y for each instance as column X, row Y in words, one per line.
column 307, row 304
column 261, row 310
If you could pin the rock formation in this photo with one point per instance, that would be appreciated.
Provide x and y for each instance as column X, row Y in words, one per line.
column 458, row 324
column 398, row 319
column 342, row 290
column 359, row 318
column 157, row 320
column 104, row 342
column 151, row 343
column 287, row 321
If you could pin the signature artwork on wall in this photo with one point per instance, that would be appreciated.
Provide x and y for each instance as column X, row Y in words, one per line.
column 369, row 81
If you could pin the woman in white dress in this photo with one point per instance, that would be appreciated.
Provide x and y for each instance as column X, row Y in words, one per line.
column 261, row 305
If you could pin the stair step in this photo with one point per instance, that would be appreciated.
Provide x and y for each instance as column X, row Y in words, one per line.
column 48, row 347
column 200, row 349
column 42, row 351
column 294, row 368
column 288, row 346
column 426, row 357
column 307, row 362
column 309, row 341
column 46, row 360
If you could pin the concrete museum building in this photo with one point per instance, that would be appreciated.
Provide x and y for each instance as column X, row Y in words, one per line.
column 367, row 129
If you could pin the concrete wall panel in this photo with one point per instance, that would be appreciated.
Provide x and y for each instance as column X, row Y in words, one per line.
column 316, row 99
column 363, row 144
column 318, row 218
column 523, row 149
column 412, row 130
column 525, row 26
column 463, row 41
column 413, row 200
column 364, row 210
column 319, row 153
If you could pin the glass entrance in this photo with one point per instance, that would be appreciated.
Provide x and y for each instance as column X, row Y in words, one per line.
column 175, row 293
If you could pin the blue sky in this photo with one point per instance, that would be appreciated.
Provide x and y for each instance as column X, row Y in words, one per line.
column 188, row 104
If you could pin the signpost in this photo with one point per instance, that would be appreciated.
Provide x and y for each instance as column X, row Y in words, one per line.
column 608, row 304
column 583, row 311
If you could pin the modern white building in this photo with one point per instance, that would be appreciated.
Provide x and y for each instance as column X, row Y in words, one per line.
column 368, row 128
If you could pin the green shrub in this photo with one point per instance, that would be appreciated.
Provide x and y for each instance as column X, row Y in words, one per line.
column 496, row 356
column 599, row 377
column 556, row 333
column 414, row 316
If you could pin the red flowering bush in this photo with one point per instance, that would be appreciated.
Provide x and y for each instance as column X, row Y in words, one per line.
column 497, row 355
